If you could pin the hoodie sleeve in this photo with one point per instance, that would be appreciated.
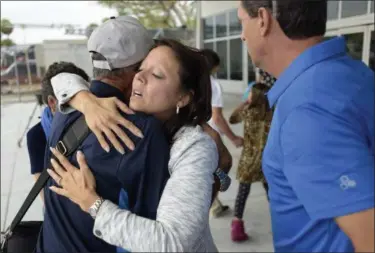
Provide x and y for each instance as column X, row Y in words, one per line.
column 65, row 86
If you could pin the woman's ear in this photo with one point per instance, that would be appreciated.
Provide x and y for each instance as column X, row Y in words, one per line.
column 185, row 99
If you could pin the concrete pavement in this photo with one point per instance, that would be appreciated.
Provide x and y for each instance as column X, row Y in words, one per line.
column 15, row 169
column 16, row 182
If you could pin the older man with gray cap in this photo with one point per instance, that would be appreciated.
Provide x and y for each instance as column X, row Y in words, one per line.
column 135, row 180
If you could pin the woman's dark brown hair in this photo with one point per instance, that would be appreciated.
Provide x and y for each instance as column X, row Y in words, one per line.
column 194, row 79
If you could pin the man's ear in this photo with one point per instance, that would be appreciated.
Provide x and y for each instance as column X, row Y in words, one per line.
column 264, row 21
column 52, row 103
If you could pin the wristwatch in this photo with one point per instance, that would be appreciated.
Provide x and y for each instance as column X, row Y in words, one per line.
column 225, row 180
column 94, row 209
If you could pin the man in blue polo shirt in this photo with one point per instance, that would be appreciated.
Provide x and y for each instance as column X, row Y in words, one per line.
column 37, row 135
column 319, row 158
column 117, row 47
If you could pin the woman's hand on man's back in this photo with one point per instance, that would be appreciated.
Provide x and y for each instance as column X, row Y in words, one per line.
column 103, row 118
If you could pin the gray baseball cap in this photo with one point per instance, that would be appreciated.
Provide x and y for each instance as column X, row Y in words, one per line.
column 123, row 41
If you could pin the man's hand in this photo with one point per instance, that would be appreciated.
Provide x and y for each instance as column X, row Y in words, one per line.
column 359, row 227
column 225, row 158
column 102, row 116
column 237, row 141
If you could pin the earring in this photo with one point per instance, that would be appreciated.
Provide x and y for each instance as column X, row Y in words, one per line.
column 177, row 109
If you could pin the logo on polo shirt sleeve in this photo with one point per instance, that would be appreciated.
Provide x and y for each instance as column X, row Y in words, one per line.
column 346, row 182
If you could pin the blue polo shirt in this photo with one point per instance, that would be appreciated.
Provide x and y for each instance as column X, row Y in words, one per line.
column 139, row 175
column 319, row 157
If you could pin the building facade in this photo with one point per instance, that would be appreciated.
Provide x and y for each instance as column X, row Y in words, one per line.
column 218, row 28
column 185, row 35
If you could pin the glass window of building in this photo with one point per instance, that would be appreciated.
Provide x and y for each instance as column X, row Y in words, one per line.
column 353, row 8
column 216, row 31
column 208, row 28
column 234, row 23
column 354, row 45
column 209, row 45
column 250, row 69
column 332, row 10
column 221, row 25
column 372, row 51
column 221, row 49
column 372, row 6
column 235, row 59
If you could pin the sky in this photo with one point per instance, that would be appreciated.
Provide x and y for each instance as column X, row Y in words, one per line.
column 79, row 13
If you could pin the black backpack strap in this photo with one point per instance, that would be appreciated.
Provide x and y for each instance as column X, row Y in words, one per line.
column 68, row 144
column 73, row 137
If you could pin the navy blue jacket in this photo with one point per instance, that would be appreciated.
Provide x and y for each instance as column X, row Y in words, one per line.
column 36, row 145
column 141, row 173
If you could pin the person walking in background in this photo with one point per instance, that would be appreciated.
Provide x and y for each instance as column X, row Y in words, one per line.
column 319, row 156
column 257, row 116
column 217, row 121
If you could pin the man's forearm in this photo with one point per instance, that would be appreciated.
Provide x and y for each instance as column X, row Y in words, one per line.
column 215, row 188
column 225, row 159
column 366, row 246
column 359, row 227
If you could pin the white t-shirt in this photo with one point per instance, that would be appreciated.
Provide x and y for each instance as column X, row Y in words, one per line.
column 217, row 99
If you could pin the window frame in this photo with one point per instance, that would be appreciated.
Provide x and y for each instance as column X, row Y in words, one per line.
column 229, row 60
column 367, row 44
column 365, row 29
column 228, row 39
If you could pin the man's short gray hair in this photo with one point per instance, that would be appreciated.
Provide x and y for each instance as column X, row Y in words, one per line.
column 106, row 73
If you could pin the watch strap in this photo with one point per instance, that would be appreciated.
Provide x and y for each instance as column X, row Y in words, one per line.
column 94, row 209
column 225, row 180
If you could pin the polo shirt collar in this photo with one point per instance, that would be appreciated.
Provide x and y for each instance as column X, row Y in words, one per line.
column 308, row 58
column 104, row 90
